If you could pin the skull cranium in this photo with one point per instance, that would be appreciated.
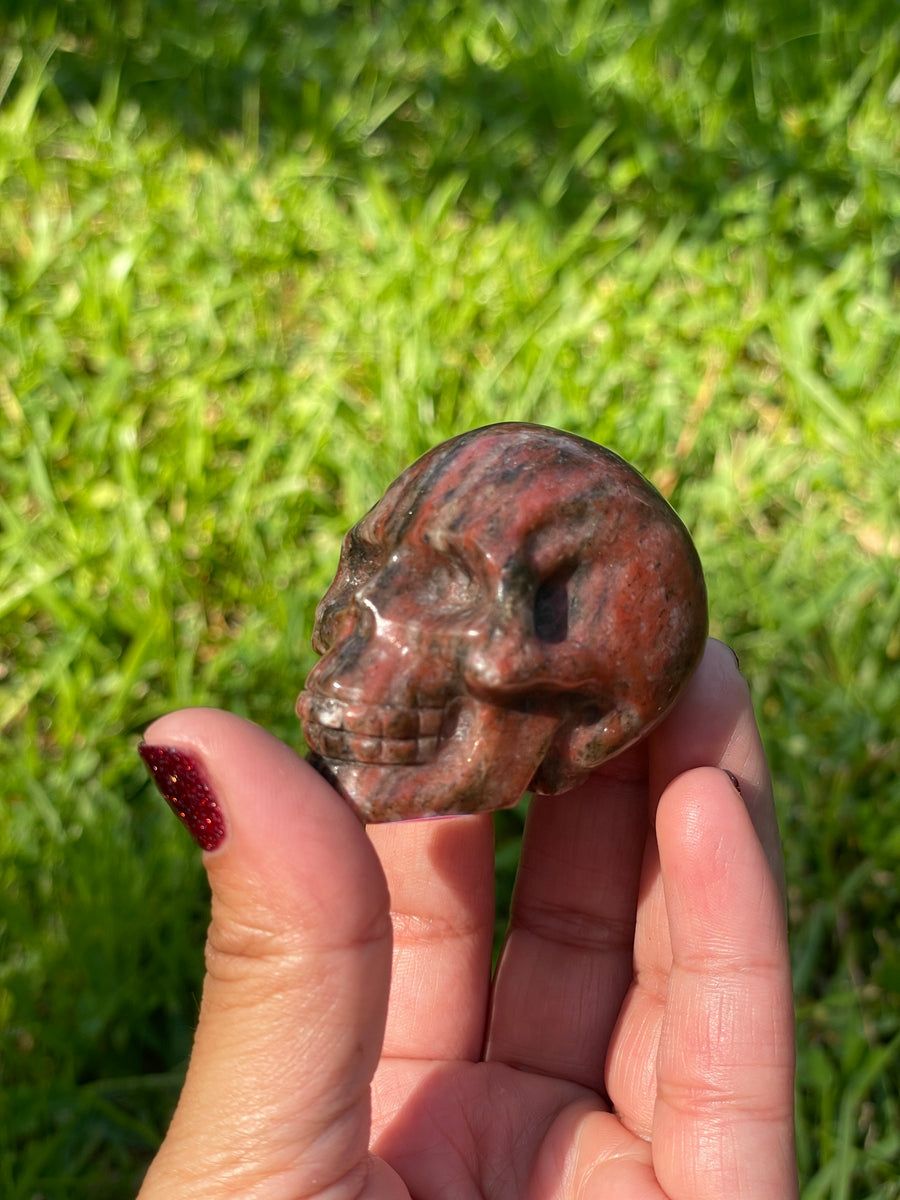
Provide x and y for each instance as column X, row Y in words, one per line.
column 518, row 607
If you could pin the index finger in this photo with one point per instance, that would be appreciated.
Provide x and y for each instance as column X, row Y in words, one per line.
column 713, row 725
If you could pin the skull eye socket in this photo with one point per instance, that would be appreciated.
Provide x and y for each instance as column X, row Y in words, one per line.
column 551, row 607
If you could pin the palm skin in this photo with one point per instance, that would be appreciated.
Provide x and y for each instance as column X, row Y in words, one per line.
column 636, row 1042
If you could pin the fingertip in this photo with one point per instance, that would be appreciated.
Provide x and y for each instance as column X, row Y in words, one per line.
column 713, row 724
column 719, row 674
column 715, row 646
column 242, row 759
column 284, row 836
column 690, row 814
column 720, row 887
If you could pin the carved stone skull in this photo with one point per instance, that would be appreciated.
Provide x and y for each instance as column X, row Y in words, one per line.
column 519, row 606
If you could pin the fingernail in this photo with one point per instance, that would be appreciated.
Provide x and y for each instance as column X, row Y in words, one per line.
column 737, row 661
column 184, row 785
column 734, row 779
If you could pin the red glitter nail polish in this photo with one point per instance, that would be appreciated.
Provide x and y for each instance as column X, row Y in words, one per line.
column 185, row 787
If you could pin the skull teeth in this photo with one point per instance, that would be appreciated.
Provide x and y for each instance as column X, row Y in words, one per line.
column 365, row 733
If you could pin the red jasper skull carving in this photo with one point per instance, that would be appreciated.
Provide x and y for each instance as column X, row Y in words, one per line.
column 519, row 606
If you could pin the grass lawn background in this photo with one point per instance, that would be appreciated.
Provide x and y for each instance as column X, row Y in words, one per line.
column 254, row 259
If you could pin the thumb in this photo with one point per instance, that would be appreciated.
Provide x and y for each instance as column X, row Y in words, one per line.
column 276, row 1099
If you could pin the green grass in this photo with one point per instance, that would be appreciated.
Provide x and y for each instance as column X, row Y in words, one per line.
column 255, row 259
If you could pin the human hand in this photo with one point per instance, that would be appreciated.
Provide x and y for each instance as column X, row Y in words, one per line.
column 638, row 1040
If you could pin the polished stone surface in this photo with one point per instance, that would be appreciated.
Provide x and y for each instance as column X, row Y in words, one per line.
column 519, row 606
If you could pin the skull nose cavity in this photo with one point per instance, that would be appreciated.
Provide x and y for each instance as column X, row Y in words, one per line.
column 370, row 734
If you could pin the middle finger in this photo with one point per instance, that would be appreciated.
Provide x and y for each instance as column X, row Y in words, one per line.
column 567, row 960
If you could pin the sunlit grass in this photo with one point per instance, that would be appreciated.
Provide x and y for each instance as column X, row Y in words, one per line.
column 245, row 279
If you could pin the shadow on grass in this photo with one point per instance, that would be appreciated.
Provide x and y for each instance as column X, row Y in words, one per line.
column 669, row 106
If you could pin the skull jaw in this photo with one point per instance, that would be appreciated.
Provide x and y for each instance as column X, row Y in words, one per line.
column 486, row 765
